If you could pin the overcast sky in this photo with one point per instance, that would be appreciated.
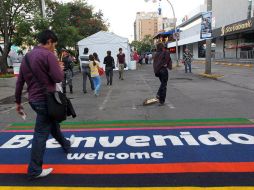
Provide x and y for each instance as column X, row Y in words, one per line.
column 121, row 14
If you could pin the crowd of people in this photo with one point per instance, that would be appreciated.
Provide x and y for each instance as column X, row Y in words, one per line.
column 56, row 72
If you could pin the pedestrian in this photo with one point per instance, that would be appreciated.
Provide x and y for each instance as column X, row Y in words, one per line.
column 146, row 58
column 110, row 65
column 93, row 64
column 136, row 58
column 68, row 66
column 187, row 59
column 162, row 62
column 121, row 63
column 85, row 69
column 44, row 64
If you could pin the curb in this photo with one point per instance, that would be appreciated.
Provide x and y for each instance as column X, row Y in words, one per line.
column 228, row 64
column 211, row 76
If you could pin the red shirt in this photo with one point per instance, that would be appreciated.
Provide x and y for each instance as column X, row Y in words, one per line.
column 121, row 58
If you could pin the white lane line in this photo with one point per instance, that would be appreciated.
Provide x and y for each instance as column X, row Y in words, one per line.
column 102, row 107
column 170, row 105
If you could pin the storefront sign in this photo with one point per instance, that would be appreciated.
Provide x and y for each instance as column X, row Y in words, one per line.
column 236, row 27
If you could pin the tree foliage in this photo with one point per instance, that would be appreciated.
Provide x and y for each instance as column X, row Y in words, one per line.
column 13, row 13
column 145, row 45
column 21, row 21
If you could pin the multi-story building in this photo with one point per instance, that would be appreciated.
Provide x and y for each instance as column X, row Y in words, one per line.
column 150, row 23
column 233, row 31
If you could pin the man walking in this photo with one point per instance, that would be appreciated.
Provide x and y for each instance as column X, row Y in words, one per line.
column 85, row 69
column 43, row 63
column 162, row 62
column 187, row 58
column 121, row 63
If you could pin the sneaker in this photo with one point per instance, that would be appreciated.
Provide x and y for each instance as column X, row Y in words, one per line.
column 44, row 173
column 72, row 139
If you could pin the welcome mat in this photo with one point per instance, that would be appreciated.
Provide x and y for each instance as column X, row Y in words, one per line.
column 189, row 154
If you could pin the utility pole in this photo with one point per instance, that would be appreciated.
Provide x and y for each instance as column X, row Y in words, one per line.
column 208, row 45
column 43, row 8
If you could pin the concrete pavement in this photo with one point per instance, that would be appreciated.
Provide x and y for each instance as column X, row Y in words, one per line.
column 188, row 96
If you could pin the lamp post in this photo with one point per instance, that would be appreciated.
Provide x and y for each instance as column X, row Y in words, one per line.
column 176, row 36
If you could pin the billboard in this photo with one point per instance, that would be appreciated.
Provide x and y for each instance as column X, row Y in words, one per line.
column 206, row 25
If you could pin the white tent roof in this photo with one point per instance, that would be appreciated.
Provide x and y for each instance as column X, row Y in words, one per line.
column 102, row 41
column 103, row 38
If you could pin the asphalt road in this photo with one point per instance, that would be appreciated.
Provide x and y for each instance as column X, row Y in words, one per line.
column 188, row 96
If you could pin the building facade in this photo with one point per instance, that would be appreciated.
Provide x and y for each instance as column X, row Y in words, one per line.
column 233, row 31
column 150, row 23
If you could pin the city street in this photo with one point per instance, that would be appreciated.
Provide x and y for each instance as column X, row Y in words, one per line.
column 188, row 96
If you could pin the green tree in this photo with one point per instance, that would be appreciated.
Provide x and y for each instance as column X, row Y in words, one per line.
column 12, row 13
column 145, row 45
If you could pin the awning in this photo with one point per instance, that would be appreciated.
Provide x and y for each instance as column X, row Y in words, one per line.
column 185, row 41
column 164, row 34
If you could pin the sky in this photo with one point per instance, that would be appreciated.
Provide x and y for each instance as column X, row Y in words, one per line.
column 121, row 14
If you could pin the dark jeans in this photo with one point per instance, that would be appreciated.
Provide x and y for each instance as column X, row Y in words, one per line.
column 86, row 73
column 187, row 65
column 43, row 128
column 162, row 92
column 109, row 75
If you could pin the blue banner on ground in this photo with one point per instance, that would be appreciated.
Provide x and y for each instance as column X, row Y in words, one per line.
column 137, row 146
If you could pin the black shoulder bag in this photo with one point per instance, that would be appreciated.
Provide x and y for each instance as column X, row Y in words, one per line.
column 58, row 105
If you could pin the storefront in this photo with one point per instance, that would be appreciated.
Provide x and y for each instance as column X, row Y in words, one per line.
column 235, row 41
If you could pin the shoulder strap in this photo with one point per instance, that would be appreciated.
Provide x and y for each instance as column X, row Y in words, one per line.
column 34, row 75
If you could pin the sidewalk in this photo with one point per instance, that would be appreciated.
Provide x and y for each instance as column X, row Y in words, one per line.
column 239, row 76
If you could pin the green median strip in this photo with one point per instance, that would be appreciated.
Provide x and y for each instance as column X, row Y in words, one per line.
column 139, row 123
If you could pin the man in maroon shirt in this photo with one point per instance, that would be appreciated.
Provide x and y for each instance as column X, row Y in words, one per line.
column 121, row 62
column 44, row 64
column 162, row 62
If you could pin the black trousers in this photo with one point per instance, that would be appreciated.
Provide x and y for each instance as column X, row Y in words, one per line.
column 109, row 75
column 162, row 92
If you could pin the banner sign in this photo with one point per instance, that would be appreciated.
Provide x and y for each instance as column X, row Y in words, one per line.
column 206, row 25
column 169, row 145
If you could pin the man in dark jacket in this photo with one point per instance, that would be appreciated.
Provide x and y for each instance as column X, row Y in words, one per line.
column 110, row 65
column 162, row 62
column 43, row 64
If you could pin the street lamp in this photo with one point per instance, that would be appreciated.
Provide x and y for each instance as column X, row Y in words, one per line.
column 176, row 36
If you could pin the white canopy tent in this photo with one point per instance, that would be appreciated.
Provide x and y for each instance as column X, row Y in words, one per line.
column 101, row 42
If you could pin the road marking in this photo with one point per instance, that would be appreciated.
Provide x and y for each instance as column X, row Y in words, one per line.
column 170, row 105
column 102, row 107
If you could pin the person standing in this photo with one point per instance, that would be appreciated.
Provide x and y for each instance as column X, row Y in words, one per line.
column 187, row 58
column 110, row 65
column 121, row 63
column 68, row 66
column 162, row 62
column 85, row 69
column 136, row 58
column 93, row 64
column 44, row 64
